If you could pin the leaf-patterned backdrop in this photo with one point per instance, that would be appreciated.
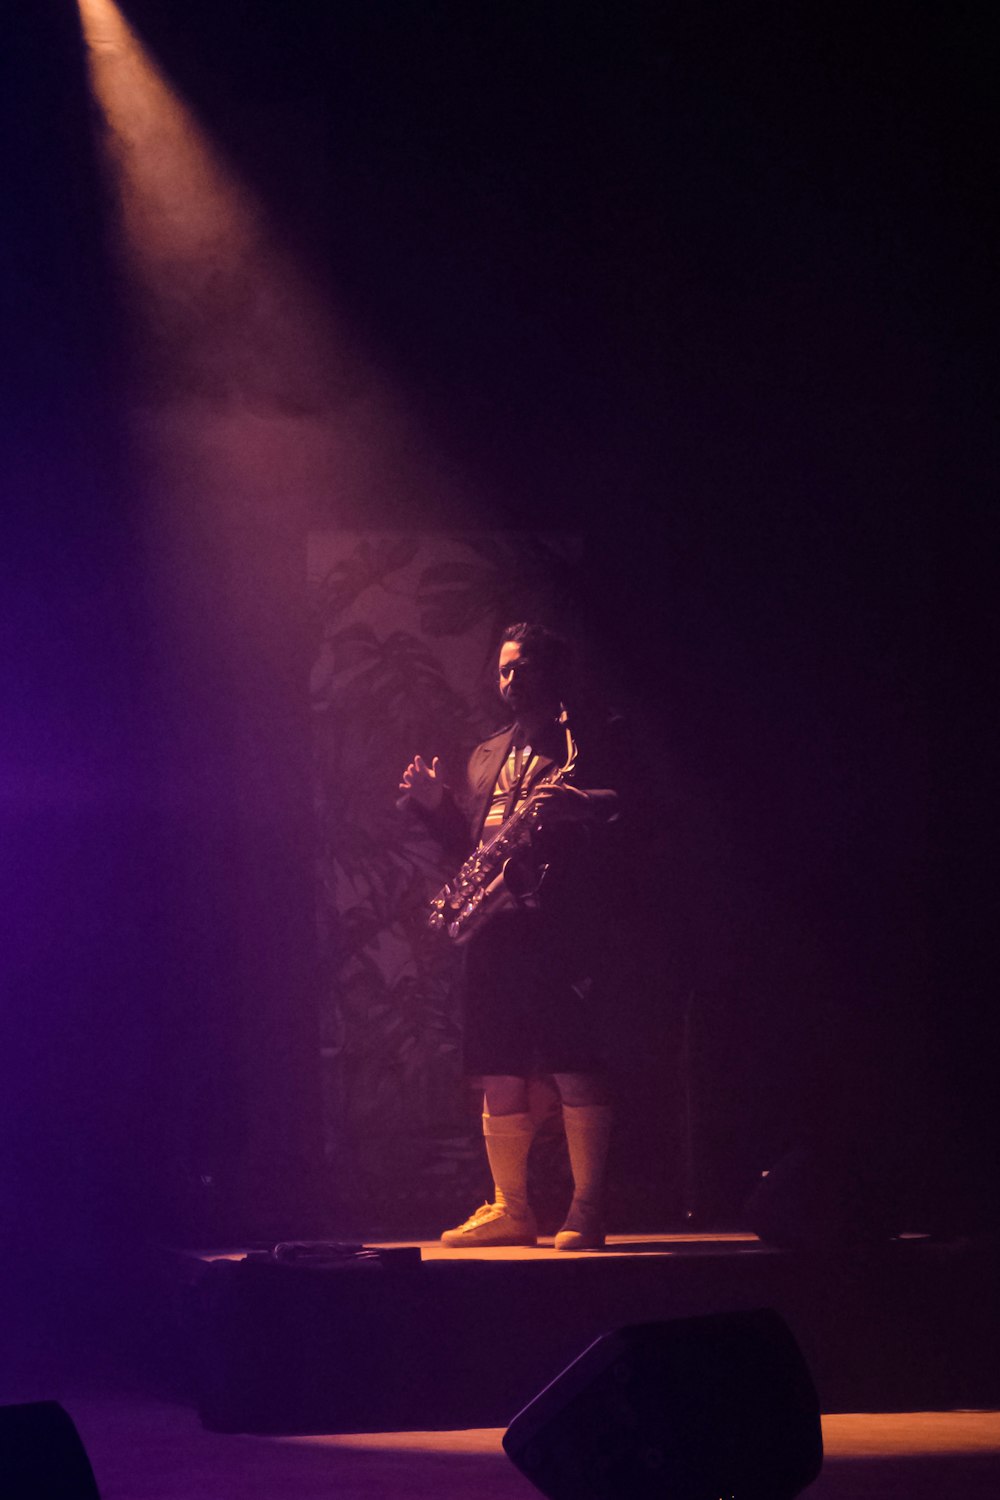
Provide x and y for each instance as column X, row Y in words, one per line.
column 405, row 634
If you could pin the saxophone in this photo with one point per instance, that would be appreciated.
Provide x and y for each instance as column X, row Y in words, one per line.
column 501, row 873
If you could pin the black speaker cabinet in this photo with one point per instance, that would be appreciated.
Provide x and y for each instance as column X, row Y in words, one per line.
column 41, row 1455
column 710, row 1408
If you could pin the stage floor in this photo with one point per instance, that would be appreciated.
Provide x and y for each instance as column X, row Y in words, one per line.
column 680, row 1244
column 617, row 1245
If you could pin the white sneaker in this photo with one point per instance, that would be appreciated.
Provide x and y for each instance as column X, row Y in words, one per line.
column 492, row 1225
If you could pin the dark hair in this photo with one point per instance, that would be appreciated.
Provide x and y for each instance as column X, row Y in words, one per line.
column 548, row 652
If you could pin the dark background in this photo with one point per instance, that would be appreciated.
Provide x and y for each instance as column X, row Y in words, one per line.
column 697, row 283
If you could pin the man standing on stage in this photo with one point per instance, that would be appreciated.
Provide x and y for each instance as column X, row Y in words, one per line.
column 531, row 1001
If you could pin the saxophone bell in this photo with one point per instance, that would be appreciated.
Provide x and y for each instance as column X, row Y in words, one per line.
column 514, row 888
column 522, row 875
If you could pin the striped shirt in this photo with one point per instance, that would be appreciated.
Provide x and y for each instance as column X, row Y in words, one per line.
column 513, row 785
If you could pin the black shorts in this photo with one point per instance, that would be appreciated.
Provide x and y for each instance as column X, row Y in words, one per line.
column 526, row 1011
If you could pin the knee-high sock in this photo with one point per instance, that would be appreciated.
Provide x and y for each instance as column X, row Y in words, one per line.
column 588, row 1130
column 508, row 1141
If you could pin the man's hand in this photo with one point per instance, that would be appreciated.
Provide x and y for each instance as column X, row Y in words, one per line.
column 421, row 782
column 561, row 804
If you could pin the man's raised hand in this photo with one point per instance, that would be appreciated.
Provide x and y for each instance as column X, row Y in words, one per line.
column 422, row 783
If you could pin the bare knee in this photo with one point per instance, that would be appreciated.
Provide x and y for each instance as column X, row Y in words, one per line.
column 504, row 1095
column 580, row 1089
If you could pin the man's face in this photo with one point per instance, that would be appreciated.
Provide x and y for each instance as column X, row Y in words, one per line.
column 522, row 687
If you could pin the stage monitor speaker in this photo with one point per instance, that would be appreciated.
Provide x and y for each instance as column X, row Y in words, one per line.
column 42, row 1456
column 710, row 1408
